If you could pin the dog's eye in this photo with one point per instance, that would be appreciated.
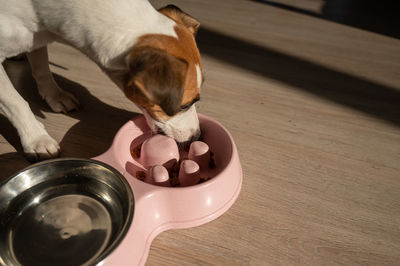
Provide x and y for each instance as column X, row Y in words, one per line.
column 188, row 105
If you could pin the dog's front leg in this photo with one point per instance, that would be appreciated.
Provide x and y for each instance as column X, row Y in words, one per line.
column 58, row 99
column 35, row 140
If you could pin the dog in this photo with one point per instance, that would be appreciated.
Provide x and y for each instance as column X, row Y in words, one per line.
column 151, row 55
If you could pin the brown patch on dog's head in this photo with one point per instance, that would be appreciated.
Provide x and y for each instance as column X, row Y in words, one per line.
column 163, row 76
column 157, row 78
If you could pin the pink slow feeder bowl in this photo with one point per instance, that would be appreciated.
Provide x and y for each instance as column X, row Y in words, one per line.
column 159, row 208
column 79, row 211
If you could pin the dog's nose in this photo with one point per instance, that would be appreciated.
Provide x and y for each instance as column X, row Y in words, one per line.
column 186, row 144
column 196, row 135
column 158, row 130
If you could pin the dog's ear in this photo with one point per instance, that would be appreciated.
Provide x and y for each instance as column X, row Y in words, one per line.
column 176, row 14
column 156, row 78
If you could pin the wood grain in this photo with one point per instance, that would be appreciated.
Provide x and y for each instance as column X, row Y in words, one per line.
column 313, row 106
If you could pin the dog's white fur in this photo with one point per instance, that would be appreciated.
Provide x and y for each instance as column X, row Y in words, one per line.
column 103, row 30
column 172, row 126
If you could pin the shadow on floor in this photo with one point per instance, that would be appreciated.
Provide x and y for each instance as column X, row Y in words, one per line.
column 369, row 97
column 90, row 136
column 381, row 17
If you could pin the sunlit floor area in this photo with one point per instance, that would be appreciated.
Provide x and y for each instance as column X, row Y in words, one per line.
column 309, row 90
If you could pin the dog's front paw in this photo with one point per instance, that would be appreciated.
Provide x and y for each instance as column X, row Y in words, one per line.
column 62, row 101
column 41, row 148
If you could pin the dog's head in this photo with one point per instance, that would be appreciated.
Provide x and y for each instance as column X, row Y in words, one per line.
column 165, row 77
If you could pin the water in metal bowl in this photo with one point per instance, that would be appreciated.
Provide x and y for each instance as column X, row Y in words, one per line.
column 63, row 212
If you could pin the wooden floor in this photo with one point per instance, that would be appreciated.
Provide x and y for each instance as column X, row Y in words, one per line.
column 313, row 103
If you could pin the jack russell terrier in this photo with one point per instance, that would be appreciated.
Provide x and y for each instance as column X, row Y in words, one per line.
column 149, row 54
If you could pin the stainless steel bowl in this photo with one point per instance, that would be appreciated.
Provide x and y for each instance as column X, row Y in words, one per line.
column 63, row 212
